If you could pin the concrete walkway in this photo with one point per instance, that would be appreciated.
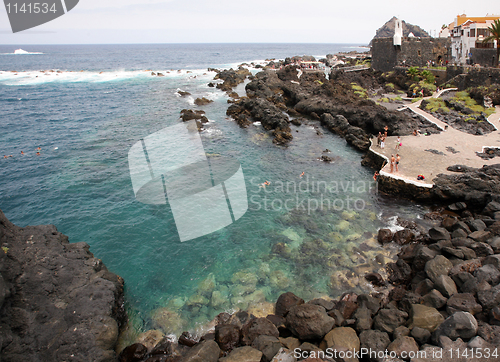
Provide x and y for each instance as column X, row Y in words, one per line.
column 450, row 147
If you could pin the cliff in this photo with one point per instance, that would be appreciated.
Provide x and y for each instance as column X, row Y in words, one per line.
column 57, row 301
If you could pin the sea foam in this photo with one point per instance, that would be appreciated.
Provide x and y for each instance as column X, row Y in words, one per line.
column 22, row 52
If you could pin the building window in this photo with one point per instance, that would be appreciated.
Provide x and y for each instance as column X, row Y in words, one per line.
column 473, row 33
column 481, row 45
column 483, row 32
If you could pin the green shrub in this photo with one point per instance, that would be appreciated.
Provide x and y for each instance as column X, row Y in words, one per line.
column 436, row 105
column 427, row 76
column 464, row 98
column 359, row 91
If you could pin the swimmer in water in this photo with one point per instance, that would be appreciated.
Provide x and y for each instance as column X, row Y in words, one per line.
column 263, row 185
column 302, row 174
column 22, row 153
column 39, row 149
column 38, row 153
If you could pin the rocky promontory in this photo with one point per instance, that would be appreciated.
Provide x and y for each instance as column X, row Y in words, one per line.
column 277, row 97
column 57, row 301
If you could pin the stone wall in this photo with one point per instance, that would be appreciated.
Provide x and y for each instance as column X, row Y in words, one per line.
column 412, row 52
column 465, row 77
column 484, row 57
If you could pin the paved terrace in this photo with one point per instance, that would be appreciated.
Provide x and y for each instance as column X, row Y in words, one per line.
column 457, row 148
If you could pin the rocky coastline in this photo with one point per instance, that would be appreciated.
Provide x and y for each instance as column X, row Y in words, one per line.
column 441, row 295
column 57, row 301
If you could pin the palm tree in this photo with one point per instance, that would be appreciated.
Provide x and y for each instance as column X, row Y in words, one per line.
column 413, row 73
column 495, row 35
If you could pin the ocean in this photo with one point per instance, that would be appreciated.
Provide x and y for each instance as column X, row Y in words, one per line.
column 85, row 106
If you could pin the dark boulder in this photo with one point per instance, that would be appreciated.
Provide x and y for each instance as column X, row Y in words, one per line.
column 133, row 353
column 374, row 340
column 438, row 233
column 257, row 327
column 206, row 351
column 309, row 321
column 385, row 236
column 400, row 273
column 327, row 304
column 227, row 336
column 268, row 345
column 189, row 115
column 463, row 302
column 438, row 266
column 355, row 136
column 458, row 325
column 202, row 101
column 403, row 237
column 387, row 320
column 285, row 302
column 376, row 279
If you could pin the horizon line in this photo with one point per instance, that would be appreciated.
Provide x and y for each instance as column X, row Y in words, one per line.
column 194, row 43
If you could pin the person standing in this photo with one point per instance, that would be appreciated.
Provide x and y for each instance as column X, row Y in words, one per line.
column 398, row 158
column 379, row 139
column 398, row 143
column 393, row 160
column 382, row 142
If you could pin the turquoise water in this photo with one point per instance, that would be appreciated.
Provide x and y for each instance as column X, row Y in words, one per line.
column 86, row 122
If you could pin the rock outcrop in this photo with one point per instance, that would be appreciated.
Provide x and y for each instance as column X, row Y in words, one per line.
column 387, row 30
column 57, row 301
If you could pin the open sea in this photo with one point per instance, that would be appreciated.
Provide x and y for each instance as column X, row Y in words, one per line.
column 85, row 106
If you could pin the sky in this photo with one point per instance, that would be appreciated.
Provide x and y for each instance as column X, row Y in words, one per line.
column 235, row 21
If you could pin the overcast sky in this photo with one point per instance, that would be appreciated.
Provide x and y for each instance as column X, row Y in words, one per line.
column 229, row 21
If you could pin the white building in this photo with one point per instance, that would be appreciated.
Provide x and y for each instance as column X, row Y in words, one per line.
column 468, row 33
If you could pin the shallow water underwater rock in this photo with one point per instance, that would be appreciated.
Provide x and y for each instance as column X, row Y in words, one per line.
column 343, row 226
column 207, row 285
column 279, row 280
column 219, row 298
column 168, row 321
column 150, row 338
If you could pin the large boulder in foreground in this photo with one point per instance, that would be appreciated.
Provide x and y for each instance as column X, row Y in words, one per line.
column 459, row 325
column 309, row 321
column 425, row 317
column 62, row 303
column 342, row 339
